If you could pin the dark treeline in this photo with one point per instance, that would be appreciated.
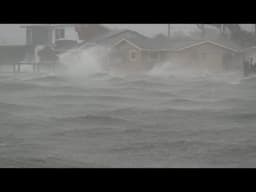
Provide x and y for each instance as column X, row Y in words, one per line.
column 249, row 67
column 238, row 34
column 89, row 31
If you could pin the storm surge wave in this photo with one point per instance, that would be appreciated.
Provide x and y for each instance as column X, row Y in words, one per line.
column 168, row 117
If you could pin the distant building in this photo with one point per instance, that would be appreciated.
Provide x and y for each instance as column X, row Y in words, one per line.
column 137, row 53
column 144, row 54
column 122, row 50
column 60, row 37
column 250, row 53
column 87, row 32
column 249, row 57
column 207, row 55
column 127, row 50
column 50, row 34
column 130, row 51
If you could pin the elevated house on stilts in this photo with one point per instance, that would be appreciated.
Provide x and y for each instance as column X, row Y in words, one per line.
column 49, row 38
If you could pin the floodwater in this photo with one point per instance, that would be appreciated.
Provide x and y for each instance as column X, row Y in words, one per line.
column 149, row 120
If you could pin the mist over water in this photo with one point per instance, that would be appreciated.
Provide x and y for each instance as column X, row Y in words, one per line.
column 87, row 64
column 85, row 116
column 83, row 63
column 89, row 113
column 173, row 70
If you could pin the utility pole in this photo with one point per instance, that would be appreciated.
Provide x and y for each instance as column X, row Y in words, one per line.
column 222, row 29
column 169, row 30
column 202, row 28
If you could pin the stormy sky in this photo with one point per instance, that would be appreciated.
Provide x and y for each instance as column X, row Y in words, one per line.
column 13, row 34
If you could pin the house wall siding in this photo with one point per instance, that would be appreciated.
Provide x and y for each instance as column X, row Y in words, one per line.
column 120, row 58
column 206, row 56
column 146, row 59
column 153, row 58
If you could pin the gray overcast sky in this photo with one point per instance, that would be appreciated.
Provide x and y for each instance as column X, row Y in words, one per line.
column 152, row 29
column 13, row 34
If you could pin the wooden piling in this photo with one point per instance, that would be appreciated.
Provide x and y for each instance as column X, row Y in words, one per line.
column 19, row 68
column 38, row 67
column 14, row 68
column 34, row 67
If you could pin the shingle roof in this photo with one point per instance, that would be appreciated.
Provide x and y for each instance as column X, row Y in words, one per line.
column 158, row 43
column 112, row 38
column 226, row 45
column 163, row 44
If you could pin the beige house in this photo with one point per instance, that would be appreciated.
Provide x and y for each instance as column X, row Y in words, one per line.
column 200, row 55
column 130, row 51
column 208, row 55
column 135, row 56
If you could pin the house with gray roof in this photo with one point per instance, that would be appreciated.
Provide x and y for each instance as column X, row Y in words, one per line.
column 208, row 55
column 131, row 51
column 144, row 53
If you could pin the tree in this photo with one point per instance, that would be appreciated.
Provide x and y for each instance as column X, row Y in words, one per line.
column 169, row 30
column 89, row 31
column 202, row 28
column 238, row 35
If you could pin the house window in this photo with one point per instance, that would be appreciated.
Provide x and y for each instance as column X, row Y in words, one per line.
column 133, row 55
column 59, row 34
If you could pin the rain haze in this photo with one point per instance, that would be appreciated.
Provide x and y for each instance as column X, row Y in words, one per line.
column 127, row 95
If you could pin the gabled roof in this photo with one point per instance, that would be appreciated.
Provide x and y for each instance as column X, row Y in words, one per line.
column 249, row 49
column 169, row 45
column 112, row 38
column 145, row 44
column 161, row 43
column 222, row 45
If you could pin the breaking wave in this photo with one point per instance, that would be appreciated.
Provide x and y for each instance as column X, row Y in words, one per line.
column 81, row 63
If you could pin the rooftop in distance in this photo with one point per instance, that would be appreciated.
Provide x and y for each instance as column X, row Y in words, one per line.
column 47, row 25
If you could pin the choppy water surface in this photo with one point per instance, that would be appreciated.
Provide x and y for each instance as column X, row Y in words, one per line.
column 146, row 120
